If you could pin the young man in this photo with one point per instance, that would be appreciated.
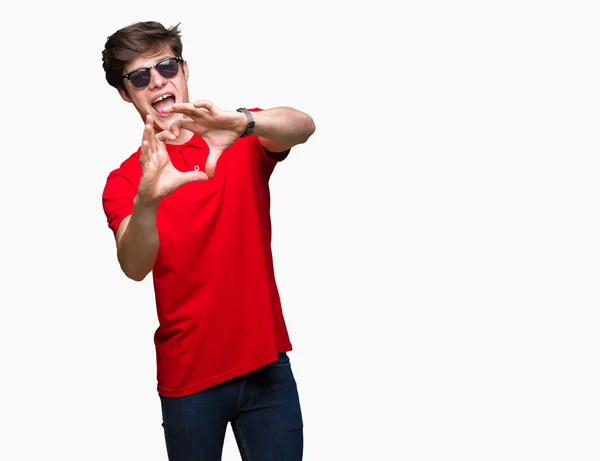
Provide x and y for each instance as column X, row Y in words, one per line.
column 191, row 205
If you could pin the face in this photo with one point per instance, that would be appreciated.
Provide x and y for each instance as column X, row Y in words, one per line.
column 161, row 92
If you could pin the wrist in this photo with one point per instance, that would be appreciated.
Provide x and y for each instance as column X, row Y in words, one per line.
column 248, row 120
column 241, row 122
column 144, row 205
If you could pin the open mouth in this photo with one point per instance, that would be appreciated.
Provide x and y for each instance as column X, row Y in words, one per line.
column 163, row 102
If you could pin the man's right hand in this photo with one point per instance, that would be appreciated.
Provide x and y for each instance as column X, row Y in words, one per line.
column 159, row 177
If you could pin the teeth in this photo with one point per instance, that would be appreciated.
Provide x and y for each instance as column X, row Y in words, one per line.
column 161, row 98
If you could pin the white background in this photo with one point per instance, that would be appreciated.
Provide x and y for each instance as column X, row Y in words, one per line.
column 436, row 240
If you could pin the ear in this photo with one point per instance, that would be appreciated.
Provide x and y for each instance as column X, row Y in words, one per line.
column 124, row 94
column 186, row 71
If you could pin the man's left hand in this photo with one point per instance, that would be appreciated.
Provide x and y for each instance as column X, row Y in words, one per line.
column 218, row 128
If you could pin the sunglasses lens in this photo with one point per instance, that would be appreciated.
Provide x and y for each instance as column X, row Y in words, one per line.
column 168, row 68
column 140, row 78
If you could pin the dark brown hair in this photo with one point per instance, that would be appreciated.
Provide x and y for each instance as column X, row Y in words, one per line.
column 137, row 39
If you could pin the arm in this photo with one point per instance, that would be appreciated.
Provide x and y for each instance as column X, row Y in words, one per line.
column 278, row 129
column 281, row 128
column 137, row 236
column 137, row 241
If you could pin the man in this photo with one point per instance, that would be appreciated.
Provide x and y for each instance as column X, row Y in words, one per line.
column 191, row 205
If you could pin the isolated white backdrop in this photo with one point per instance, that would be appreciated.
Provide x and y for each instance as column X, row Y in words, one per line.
column 435, row 242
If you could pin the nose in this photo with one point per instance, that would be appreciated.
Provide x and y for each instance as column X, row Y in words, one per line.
column 156, row 80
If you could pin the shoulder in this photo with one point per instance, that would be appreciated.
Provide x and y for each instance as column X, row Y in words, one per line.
column 129, row 170
column 131, row 165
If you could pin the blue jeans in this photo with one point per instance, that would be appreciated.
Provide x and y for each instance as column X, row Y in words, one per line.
column 262, row 407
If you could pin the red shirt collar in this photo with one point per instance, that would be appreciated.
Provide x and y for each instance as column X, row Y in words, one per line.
column 195, row 141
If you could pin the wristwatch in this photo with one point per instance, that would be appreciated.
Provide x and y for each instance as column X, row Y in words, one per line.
column 250, row 127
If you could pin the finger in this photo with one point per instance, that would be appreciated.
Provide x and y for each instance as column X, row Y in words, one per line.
column 149, row 121
column 182, row 107
column 211, row 163
column 190, row 110
column 166, row 135
column 205, row 105
column 188, row 123
column 146, row 140
column 190, row 176
column 152, row 140
column 193, row 176
column 149, row 135
column 144, row 151
column 160, row 145
column 175, row 128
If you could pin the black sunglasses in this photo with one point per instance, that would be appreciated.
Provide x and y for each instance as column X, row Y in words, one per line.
column 168, row 68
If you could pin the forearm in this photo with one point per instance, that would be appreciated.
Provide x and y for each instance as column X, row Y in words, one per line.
column 138, row 246
column 283, row 125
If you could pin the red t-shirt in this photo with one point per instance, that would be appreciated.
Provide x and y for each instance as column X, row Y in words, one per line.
column 217, row 301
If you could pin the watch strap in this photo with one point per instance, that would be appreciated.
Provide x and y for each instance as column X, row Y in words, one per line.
column 250, row 127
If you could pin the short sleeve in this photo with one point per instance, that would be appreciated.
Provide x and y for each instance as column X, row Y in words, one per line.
column 117, row 198
column 268, row 159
